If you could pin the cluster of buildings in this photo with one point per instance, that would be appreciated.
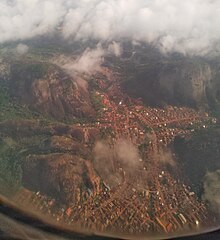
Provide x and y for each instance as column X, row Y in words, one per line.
column 158, row 203
column 164, row 205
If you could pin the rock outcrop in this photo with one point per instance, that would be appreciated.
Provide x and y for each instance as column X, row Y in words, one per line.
column 171, row 79
column 58, row 175
column 186, row 83
column 48, row 89
column 54, row 158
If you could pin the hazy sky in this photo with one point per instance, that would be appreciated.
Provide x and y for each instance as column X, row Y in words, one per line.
column 172, row 25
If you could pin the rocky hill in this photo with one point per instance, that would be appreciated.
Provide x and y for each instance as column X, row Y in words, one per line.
column 47, row 158
column 160, row 80
column 47, row 89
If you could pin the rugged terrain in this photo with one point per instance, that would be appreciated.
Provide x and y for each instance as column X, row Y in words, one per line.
column 48, row 89
column 111, row 149
column 173, row 79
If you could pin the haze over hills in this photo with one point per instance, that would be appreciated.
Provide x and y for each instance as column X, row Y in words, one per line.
column 79, row 127
column 108, row 123
column 157, row 78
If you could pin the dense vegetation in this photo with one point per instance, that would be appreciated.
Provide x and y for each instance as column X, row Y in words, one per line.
column 10, row 167
column 10, row 110
column 198, row 154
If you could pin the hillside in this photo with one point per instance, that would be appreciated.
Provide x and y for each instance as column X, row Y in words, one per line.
column 161, row 80
column 78, row 140
column 199, row 154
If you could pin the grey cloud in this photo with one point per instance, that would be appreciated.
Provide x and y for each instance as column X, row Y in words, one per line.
column 212, row 190
column 108, row 160
column 165, row 157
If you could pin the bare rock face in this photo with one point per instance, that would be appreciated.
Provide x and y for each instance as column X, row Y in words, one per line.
column 49, row 90
column 58, row 175
column 186, row 83
column 175, row 80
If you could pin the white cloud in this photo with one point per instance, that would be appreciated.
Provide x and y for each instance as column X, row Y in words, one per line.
column 22, row 19
column 22, row 49
column 88, row 62
column 115, row 48
column 189, row 26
